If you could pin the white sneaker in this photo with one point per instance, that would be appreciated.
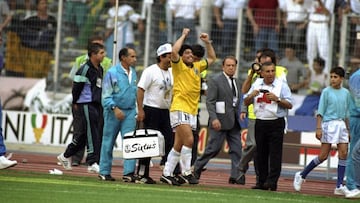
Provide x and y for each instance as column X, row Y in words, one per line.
column 65, row 162
column 342, row 190
column 298, row 180
column 6, row 163
column 94, row 168
column 353, row 194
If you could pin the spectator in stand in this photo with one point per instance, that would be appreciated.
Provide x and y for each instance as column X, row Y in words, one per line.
column 295, row 68
column 160, row 22
column 265, row 19
column 295, row 21
column 341, row 7
column 317, row 36
column 5, row 18
column 315, row 81
column 332, row 127
column 355, row 8
column 185, row 14
column 125, row 33
column 36, row 45
column 226, row 15
column 17, row 4
column 75, row 15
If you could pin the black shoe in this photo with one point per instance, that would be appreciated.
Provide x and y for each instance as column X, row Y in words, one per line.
column 240, row 180
column 270, row 186
column 232, row 180
column 236, row 181
column 169, row 180
column 258, row 187
column 145, row 180
column 188, row 179
column 106, row 178
column 197, row 173
column 180, row 179
column 129, row 178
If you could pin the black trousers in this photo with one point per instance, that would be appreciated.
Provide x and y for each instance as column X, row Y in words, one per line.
column 156, row 119
column 269, row 136
column 88, row 126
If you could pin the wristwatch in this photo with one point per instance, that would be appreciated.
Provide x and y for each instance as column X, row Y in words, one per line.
column 113, row 107
column 279, row 100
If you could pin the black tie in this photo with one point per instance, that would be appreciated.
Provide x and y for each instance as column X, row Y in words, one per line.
column 233, row 86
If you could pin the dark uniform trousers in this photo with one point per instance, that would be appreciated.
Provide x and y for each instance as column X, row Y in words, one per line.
column 269, row 141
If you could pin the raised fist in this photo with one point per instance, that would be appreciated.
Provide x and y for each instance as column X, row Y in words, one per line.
column 186, row 31
column 204, row 37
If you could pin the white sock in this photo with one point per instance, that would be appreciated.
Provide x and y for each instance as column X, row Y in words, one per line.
column 185, row 160
column 172, row 160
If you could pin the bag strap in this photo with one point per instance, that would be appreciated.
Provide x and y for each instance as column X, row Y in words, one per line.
column 138, row 128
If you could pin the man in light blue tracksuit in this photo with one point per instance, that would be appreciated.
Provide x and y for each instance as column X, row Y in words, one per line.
column 353, row 160
column 119, row 103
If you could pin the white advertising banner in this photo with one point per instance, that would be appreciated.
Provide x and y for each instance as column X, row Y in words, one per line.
column 21, row 127
column 37, row 128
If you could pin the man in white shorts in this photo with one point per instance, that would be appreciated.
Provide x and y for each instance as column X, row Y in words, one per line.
column 184, row 106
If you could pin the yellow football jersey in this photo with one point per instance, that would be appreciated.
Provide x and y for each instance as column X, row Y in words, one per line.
column 186, row 90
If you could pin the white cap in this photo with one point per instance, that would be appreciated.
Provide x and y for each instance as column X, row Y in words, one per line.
column 163, row 49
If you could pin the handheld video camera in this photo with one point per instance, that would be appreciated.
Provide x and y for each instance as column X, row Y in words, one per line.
column 256, row 67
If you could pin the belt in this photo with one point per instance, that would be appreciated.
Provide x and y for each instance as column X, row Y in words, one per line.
column 319, row 21
column 227, row 19
column 295, row 22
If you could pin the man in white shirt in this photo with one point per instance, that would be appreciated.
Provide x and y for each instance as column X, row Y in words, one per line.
column 318, row 37
column 154, row 97
column 125, row 33
column 295, row 22
column 226, row 15
column 185, row 14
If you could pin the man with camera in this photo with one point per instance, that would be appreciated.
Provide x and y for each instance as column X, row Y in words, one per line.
column 271, row 98
column 249, row 151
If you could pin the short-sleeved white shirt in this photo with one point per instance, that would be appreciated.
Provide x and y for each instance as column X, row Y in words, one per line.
column 185, row 8
column 230, row 8
column 295, row 12
column 158, row 85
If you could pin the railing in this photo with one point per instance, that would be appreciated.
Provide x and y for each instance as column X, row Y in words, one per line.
column 72, row 38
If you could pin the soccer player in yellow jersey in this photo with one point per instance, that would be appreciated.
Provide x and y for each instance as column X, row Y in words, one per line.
column 184, row 106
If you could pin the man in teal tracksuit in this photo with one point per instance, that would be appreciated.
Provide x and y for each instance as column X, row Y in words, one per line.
column 119, row 104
